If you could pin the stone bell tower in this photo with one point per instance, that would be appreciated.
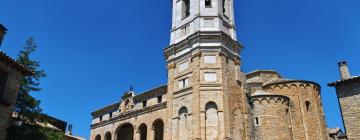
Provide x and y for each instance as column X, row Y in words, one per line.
column 205, row 98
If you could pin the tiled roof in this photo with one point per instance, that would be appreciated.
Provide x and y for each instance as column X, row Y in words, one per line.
column 12, row 62
column 332, row 84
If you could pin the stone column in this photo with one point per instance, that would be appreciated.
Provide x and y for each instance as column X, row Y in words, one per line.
column 221, row 125
column 136, row 133
column 203, row 125
column 151, row 133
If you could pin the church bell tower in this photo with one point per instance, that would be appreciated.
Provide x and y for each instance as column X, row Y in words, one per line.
column 205, row 98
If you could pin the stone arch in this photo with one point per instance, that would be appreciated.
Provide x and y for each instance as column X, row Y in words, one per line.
column 143, row 131
column 125, row 132
column 97, row 137
column 264, row 99
column 158, row 127
column 183, row 123
column 211, row 121
column 107, row 136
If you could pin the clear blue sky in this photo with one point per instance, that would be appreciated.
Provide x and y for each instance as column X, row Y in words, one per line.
column 94, row 50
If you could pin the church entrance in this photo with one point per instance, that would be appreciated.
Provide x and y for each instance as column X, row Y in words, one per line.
column 125, row 132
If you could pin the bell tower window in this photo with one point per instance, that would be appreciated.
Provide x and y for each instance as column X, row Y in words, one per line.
column 224, row 3
column 185, row 8
column 208, row 3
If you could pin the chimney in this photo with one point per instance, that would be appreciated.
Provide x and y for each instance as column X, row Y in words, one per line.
column 344, row 70
column 2, row 33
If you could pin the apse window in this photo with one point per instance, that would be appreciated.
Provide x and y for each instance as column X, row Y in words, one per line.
column 101, row 118
column 110, row 115
column 183, row 83
column 210, row 77
column 209, row 59
column 257, row 121
column 208, row 3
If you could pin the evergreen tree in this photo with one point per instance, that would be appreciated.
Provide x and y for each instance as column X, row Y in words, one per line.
column 27, row 107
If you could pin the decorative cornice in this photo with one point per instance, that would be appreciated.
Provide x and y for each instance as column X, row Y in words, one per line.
column 197, row 54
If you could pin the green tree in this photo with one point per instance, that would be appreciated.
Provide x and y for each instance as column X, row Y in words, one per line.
column 27, row 107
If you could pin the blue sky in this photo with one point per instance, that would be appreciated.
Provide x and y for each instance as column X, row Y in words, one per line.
column 94, row 50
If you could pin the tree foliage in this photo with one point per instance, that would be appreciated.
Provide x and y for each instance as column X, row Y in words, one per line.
column 27, row 107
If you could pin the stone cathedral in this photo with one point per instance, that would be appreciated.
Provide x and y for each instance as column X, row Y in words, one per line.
column 207, row 96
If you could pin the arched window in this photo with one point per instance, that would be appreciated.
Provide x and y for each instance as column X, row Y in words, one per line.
column 185, row 8
column 211, row 121
column 183, row 114
column 98, row 137
column 207, row 3
column 143, row 131
column 108, row 136
column 307, row 103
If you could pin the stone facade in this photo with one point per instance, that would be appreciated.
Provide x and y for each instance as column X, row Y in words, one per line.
column 348, row 92
column 11, row 74
column 207, row 96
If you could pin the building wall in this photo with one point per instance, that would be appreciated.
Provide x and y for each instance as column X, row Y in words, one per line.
column 271, row 118
column 307, row 117
column 10, row 84
column 224, row 92
column 349, row 97
column 136, row 120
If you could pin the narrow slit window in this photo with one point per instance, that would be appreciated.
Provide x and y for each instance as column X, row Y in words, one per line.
column 257, row 121
column 307, row 103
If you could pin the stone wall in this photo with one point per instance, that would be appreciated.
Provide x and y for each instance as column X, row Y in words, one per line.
column 10, row 84
column 307, row 117
column 271, row 117
column 141, row 118
column 349, row 97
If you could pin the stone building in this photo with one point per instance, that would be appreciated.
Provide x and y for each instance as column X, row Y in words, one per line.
column 11, row 74
column 207, row 96
column 348, row 92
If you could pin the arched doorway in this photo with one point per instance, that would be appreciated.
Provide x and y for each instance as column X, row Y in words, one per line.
column 143, row 131
column 125, row 132
column 158, row 126
column 108, row 136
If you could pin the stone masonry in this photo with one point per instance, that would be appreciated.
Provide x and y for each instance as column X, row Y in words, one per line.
column 11, row 74
column 348, row 92
column 207, row 96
